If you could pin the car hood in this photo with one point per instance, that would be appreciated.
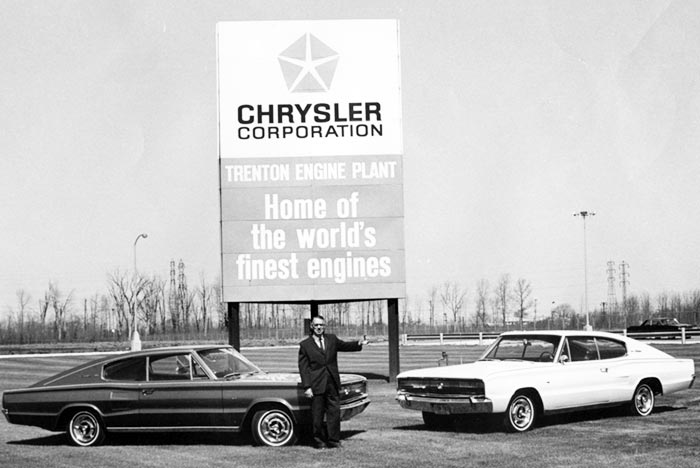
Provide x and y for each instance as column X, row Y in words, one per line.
column 474, row 370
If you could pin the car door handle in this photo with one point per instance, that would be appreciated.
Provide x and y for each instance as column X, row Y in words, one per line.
column 604, row 369
column 147, row 391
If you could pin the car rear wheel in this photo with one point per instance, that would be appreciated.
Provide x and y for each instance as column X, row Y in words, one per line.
column 642, row 401
column 273, row 427
column 437, row 421
column 85, row 429
column 521, row 413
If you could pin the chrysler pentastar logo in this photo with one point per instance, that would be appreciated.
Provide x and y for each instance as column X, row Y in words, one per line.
column 308, row 65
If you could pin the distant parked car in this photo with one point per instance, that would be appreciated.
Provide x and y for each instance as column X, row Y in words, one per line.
column 659, row 325
column 192, row 388
column 524, row 375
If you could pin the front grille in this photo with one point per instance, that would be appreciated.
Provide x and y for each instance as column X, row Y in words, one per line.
column 441, row 387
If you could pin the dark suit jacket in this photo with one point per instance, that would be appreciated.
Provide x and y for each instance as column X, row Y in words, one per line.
column 317, row 366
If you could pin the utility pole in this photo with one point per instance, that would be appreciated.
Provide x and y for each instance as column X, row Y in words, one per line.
column 623, row 282
column 584, row 215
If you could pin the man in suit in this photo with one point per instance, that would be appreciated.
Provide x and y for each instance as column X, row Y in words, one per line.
column 318, row 366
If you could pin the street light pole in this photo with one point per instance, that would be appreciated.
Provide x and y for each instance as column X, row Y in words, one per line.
column 135, row 338
column 144, row 235
column 584, row 215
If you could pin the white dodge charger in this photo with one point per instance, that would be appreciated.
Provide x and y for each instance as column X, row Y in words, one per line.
column 523, row 375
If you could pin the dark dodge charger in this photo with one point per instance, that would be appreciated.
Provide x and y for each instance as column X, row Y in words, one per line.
column 193, row 388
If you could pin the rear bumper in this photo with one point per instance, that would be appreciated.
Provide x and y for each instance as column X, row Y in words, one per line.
column 465, row 405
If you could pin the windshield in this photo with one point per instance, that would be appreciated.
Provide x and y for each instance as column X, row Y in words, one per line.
column 227, row 362
column 536, row 348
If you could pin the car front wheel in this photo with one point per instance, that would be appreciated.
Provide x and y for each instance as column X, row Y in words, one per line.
column 273, row 427
column 643, row 400
column 521, row 413
column 85, row 429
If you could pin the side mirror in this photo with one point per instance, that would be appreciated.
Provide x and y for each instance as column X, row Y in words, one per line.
column 564, row 359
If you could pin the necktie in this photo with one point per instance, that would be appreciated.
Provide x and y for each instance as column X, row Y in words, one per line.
column 323, row 345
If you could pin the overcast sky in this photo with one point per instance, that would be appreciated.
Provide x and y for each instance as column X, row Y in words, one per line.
column 516, row 114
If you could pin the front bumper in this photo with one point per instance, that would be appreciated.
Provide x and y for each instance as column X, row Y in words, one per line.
column 462, row 405
column 350, row 410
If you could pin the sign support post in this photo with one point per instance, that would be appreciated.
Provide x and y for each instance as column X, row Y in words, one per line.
column 234, row 324
column 393, row 325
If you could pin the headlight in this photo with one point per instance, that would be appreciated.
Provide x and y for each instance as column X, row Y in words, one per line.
column 353, row 389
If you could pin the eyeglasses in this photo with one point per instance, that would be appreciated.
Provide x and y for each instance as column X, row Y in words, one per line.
column 318, row 325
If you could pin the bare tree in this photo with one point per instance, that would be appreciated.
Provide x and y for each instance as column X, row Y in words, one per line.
column 218, row 300
column 563, row 316
column 187, row 306
column 44, row 307
column 404, row 315
column 452, row 297
column 432, row 302
column 692, row 299
column 501, row 297
column 127, row 291
column 151, row 303
column 60, row 306
column 23, row 299
column 645, row 305
column 482, row 294
column 205, row 294
column 663, row 303
column 522, row 290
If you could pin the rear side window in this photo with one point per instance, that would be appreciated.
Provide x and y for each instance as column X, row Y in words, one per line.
column 582, row 348
column 127, row 370
column 588, row 348
column 610, row 349
column 175, row 367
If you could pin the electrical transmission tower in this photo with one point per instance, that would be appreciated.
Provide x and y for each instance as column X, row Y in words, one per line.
column 624, row 282
column 182, row 296
column 172, row 296
column 612, row 296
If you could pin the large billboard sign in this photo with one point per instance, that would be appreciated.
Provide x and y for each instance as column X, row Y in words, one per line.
column 310, row 154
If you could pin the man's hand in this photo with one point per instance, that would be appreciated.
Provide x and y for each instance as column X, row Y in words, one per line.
column 363, row 341
column 309, row 393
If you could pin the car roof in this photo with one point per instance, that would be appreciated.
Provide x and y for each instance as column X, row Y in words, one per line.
column 111, row 358
column 169, row 349
column 563, row 333
column 155, row 352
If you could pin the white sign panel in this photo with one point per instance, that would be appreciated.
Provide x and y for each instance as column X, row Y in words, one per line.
column 310, row 150
column 309, row 88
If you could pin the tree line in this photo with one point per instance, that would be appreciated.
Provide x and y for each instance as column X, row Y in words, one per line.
column 172, row 310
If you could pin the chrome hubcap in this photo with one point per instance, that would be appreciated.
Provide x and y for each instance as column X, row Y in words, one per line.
column 276, row 428
column 644, row 400
column 84, row 428
column 521, row 413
